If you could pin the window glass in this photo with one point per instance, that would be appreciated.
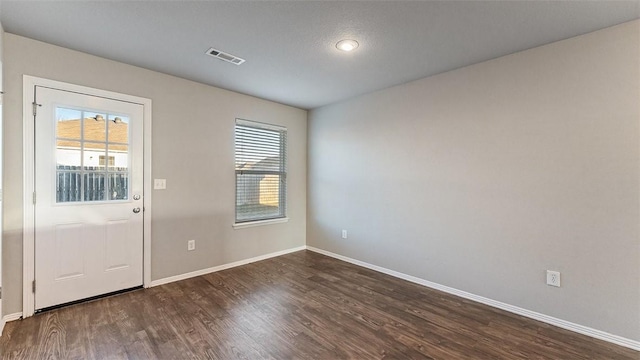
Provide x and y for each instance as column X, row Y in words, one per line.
column 92, row 156
column 260, row 164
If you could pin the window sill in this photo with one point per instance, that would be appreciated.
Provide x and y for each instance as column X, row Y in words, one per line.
column 260, row 223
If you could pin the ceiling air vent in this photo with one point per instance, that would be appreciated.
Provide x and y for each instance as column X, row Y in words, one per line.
column 224, row 56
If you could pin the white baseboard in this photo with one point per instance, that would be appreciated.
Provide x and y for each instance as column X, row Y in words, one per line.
column 9, row 317
column 223, row 267
column 581, row 329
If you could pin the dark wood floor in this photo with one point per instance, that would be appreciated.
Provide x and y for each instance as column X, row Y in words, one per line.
column 301, row 305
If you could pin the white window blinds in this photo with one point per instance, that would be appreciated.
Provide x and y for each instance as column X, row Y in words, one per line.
column 261, row 176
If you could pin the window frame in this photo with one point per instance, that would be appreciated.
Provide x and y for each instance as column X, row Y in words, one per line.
column 257, row 220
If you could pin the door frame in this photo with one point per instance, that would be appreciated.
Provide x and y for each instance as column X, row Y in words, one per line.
column 28, row 162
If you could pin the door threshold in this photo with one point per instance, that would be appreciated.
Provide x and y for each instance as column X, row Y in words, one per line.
column 97, row 297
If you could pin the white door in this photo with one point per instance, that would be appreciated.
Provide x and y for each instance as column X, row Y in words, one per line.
column 88, row 200
column 1, row 194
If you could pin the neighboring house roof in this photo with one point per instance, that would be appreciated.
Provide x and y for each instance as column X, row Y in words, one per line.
column 94, row 130
column 267, row 164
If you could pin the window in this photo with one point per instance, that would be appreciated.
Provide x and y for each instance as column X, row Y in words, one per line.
column 261, row 178
column 102, row 160
column 92, row 156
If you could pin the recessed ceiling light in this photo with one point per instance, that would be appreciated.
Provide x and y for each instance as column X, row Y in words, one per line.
column 347, row 45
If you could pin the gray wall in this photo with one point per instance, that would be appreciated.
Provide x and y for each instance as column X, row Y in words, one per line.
column 484, row 177
column 193, row 130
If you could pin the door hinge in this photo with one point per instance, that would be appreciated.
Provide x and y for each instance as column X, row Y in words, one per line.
column 0, row 292
column 34, row 198
column 35, row 108
column 33, row 287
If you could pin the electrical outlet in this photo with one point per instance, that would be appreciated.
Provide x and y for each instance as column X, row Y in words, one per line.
column 191, row 245
column 553, row 278
column 344, row 234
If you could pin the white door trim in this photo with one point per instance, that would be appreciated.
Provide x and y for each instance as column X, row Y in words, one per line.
column 28, row 131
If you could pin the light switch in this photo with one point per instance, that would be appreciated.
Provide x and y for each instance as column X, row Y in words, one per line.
column 159, row 184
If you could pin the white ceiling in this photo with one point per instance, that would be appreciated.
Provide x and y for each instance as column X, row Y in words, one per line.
column 289, row 46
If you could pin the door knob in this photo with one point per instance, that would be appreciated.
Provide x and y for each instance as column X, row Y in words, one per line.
column 136, row 210
column 136, row 197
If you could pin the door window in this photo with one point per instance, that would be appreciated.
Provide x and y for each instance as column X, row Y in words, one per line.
column 92, row 156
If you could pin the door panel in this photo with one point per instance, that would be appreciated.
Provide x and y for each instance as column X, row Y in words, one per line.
column 88, row 165
column 69, row 261
column 116, row 246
